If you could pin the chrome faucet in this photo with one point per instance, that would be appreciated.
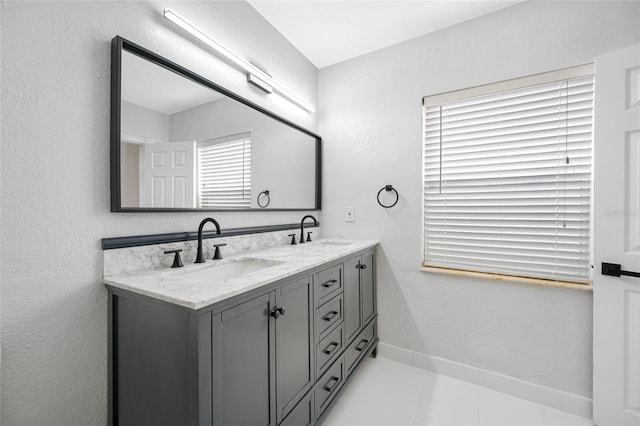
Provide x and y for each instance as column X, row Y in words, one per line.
column 199, row 256
column 302, row 226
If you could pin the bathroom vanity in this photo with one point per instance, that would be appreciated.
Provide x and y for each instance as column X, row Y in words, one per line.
column 261, row 337
column 266, row 337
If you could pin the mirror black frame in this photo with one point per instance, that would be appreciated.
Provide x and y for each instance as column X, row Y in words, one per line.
column 118, row 44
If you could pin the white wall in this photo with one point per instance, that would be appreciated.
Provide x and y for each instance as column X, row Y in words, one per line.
column 55, row 181
column 370, row 120
column 143, row 122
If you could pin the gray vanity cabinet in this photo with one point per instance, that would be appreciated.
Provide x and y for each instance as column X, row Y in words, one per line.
column 359, row 293
column 243, row 364
column 295, row 372
column 273, row 356
column 264, row 356
column 360, row 309
column 367, row 287
column 153, row 341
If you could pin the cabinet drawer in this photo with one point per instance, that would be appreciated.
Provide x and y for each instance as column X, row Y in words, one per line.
column 329, row 385
column 328, row 349
column 328, row 283
column 327, row 316
column 359, row 346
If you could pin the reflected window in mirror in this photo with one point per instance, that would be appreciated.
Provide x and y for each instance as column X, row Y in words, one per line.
column 224, row 172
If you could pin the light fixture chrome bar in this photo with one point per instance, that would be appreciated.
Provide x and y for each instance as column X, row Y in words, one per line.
column 259, row 83
column 237, row 60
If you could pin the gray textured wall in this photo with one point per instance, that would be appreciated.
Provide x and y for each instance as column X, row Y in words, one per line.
column 371, row 124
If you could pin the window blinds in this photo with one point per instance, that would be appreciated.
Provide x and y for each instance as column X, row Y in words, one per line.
column 507, row 181
column 224, row 172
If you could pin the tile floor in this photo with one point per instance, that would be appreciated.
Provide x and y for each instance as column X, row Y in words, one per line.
column 385, row 392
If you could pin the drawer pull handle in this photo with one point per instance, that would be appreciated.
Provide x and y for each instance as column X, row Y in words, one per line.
column 330, row 387
column 361, row 345
column 329, row 283
column 331, row 347
column 331, row 315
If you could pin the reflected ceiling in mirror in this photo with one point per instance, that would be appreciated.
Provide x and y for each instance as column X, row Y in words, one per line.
column 180, row 142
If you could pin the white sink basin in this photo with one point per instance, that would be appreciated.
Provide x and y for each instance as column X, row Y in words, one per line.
column 233, row 269
column 334, row 242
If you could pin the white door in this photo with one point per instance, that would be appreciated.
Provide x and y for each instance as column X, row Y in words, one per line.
column 168, row 175
column 616, row 300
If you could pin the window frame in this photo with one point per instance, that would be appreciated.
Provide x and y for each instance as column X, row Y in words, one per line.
column 488, row 89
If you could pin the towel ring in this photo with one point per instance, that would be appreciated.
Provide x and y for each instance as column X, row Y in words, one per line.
column 266, row 194
column 388, row 188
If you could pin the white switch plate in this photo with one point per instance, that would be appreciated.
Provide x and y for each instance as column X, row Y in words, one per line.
column 350, row 215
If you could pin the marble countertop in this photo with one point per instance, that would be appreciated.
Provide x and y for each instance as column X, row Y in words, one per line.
column 196, row 286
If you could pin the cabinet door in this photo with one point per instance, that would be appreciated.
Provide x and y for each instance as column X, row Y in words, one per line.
column 367, row 287
column 294, row 345
column 245, row 366
column 151, row 357
column 352, row 316
column 303, row 414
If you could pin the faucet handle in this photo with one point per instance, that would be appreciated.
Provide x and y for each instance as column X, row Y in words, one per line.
column 293, row 239
column 309, row 235
column 177, row 262
column 217, row 255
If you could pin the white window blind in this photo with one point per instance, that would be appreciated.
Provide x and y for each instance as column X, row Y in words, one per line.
column 224, row 172
column 507, row 181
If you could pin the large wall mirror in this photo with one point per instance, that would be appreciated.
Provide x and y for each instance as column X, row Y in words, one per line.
column 180, row 142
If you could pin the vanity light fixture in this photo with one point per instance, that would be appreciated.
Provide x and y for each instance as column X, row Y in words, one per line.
column 262, row 85
column 255, row 76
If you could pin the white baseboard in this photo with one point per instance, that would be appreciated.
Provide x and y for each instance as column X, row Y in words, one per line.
column 571, row 403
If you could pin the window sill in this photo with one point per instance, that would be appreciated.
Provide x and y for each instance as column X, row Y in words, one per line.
column 510, row 278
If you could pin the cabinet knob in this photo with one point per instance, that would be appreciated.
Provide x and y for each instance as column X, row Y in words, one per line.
column 331, row 315
column 361, row 266
column 277, row 312
column 329, row 283
column 330, row 348
column 361, row 345
column 331, row 384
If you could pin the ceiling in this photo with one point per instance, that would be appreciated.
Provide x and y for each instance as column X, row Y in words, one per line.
column 328, row 32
